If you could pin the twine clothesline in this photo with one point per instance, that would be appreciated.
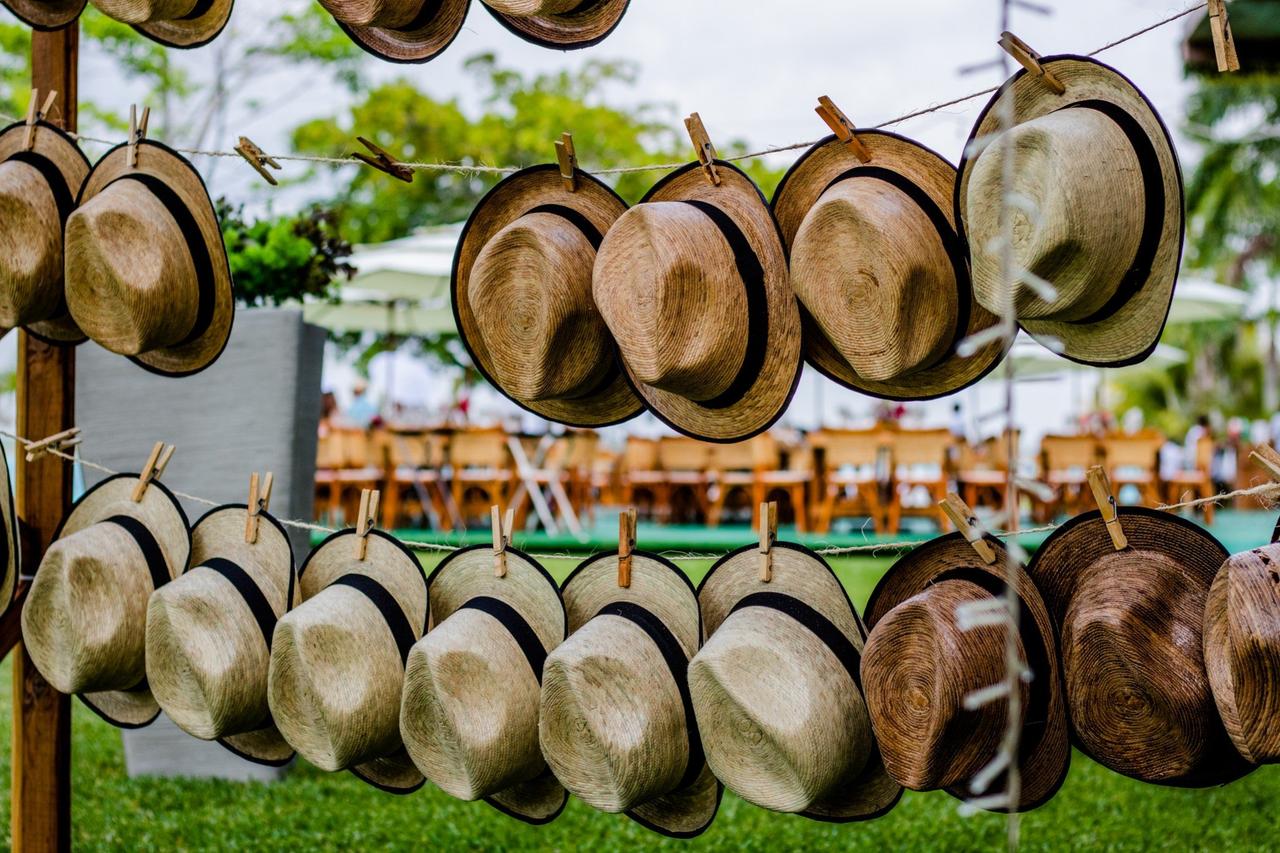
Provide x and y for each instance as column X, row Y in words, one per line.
column 465, row 169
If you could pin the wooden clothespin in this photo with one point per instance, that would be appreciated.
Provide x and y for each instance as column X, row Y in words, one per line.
column 567, row 157
column 1224, row 43
column 258, row 159
column 35, row 115
column 967, row 524
column 501, row 539
column 137, row 132
column 1100, row 484
column 768, row 536
column 383, row 162
column 259, row 501
column 1268, row 458
column 156, row 463
column 702, row 144
column 1030, row 60
column 365, row 520
column 626, row 544
column 58, row 441
column 842, row 127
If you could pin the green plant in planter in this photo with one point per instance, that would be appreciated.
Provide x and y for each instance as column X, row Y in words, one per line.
column 284, row 259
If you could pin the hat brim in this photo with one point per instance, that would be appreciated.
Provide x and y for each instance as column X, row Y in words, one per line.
column 161, row 161
column 809, row 579
column 59, row 148
column 570, row 31
column 191, row 32
column 418, row 44
column 1130, row 334
column 1044, row 767
column 11, row 560
column 779, row 375
column 265, row 746
column 395, row 773
column 530, row 589
column 803, row 186
column 1071, row 553
column 536, row 186
column 46, row 15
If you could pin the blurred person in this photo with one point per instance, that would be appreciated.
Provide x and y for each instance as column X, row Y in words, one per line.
column 362, row 412
column 1197, row 431
column 328, row 412
column 1132, row 421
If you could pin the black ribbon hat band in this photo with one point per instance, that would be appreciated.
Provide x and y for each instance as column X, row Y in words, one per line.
column 151, row 550
column 53, row 176
column 387, row 605
column 521, row 631
column 817, row 624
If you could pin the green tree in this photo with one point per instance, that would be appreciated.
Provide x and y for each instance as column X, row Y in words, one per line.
column 279, row 260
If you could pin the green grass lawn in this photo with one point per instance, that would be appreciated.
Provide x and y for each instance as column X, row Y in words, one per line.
column 1095, row 809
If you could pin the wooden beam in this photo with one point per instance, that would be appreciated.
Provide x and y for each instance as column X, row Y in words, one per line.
column 41, row 791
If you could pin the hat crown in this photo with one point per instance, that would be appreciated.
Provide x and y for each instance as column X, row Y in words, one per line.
column 530, row 291
column 668, row 287
column 871, row 269
column 531, row 8
column 30, row 246
column 131, row 280
column 143, row 11
column 393, row 14
column 1080, row 216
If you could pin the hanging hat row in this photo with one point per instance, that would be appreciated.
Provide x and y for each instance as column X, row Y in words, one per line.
column 877, row 258
column 128, row 252
column 1147, row 646
column 172, row 23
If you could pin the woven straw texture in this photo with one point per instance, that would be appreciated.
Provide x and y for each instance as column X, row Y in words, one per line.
column 46, row 14
column 548, row 22
column 12, row 562
column 390, row 29
column 170, row 22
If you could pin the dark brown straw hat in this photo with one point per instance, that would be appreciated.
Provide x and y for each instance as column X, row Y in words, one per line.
column 560, row 24
column 85, row 618
column 10, row 549
column 209, row 634
column 172, row 23
column 1130, row 626
column 38, row 189
column 777, row 690
column 337, row 660
column 469, row 714
column 400, row 30
column 46, row 14
column 523, row 304
column 617, row 725
column 1242, row 651
column 919, row 665
column 693, row 284
column 146, row 266
column 1100, row 169
column 880, row 272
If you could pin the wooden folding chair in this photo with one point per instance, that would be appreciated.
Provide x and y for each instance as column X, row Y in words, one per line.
column 1064, row 464
column 794, row 480
column 982, row 472
column 480, row 471
column 685, row 463
column 733, row 474
column 851, row 481
column 1134, row 460
column 413, row 471
column 919, row 462
column 639, row 474
column 357, row 465
column 1194, row 483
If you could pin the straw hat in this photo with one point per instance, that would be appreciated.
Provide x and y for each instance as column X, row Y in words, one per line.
column 337, row 660
column 617, row 723
column 522, row 298
column 559, row 24
column 1099, row 167
column 879, row 269
column 209, row 634
column 693, row 285
column 400, row 30
column 146, row 267
column 1130, row 627
column 38, row 190
column 469, row 715
column 46, row 14
column 10, row 548
column 919, row 665
column 1242, row 651
column 172, row 23
column 777, row 690
column 85, row 618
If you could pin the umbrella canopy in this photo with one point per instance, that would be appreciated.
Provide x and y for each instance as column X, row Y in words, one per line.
column 1033, row 360
column 1199, row 300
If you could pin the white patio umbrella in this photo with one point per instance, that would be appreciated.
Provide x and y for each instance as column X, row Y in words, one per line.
column 1033, row 360
column 1201, row 300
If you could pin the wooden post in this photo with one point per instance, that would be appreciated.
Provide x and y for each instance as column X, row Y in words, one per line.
column 41, row 792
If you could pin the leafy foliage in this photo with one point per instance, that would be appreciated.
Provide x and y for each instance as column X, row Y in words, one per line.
column 274, row 261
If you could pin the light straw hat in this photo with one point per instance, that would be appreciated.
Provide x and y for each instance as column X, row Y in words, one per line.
column 10, row 548
column 85, row 618
column 172, row 23
column 337, row 660
column 880, row 272
column 46, row 14
column 1242, row 651
column 522, row 298
column 617, row 723
column 469, row 713
column 920, row 664
column 1130, row 627
column 560, row 24
column 693, row 285
column 400, row 30
column 146, row 267
column 777, row 691
column 1098, row 168
column 38, row 189
column 209, row 634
